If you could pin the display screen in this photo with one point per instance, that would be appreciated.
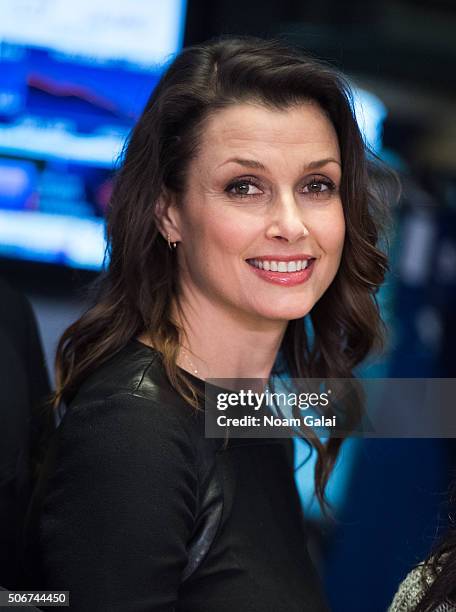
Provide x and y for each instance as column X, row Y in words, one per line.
column 74, row 77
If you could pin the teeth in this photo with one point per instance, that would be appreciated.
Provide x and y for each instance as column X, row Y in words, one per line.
column 281, row 266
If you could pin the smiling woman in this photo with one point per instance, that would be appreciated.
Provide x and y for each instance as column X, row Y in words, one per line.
column 253, row 196
column 242, row 208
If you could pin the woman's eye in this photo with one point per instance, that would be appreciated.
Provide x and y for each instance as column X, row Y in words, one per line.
column 317, row 187
column 243, row 188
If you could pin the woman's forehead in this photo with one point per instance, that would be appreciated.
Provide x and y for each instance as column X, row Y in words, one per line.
column 253, row 130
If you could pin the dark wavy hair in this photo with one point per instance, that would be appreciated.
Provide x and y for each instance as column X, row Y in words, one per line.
column 135, row 291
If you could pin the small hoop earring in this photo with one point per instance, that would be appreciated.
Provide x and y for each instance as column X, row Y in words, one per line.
column 174, row 244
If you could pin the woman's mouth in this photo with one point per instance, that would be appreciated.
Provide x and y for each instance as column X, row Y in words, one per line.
column 279, row 272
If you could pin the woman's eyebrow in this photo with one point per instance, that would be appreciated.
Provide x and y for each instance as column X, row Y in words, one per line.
column 322, row 162
column 252, row 163
column 249, row 163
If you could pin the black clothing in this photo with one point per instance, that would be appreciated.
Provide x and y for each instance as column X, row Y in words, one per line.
column 134, row 497
column 24, row 383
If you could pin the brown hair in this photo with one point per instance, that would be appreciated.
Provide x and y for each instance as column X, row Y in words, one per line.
column 137, row 287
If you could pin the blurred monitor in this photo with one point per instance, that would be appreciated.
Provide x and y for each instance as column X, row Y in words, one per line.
column 74, row 77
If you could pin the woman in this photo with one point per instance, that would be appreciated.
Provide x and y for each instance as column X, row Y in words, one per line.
column 242, row 206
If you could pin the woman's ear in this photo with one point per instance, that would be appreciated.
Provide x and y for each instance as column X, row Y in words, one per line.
column 167, row 216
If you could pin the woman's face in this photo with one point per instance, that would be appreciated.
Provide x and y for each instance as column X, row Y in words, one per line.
column 261, row 223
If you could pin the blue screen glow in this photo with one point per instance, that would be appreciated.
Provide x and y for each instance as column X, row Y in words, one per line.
column 74, row 77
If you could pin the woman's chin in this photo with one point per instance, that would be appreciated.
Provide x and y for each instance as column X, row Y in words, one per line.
column 284, row 313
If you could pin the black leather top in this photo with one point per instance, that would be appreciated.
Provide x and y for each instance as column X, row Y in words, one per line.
column 137, row 511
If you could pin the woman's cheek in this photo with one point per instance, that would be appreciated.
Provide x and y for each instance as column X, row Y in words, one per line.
column 336, row 232
column 230, row 236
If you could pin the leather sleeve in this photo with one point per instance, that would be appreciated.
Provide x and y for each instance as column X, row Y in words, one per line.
column 118, row 504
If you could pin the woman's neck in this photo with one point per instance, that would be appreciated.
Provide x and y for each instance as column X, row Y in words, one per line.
column 221, row 344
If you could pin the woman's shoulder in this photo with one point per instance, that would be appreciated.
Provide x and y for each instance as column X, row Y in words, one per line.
column 135, row 369
column 126, row 415
column 131, row 391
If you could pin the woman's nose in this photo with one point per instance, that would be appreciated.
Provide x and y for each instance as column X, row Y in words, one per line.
column 287, row 219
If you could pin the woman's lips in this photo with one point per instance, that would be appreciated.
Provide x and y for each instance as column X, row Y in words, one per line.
column 287, row 279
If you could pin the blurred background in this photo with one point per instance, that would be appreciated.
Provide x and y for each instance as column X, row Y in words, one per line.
column 73, row 79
